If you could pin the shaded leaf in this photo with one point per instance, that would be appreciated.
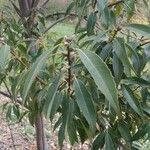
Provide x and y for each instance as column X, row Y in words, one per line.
column 51, row 97
column 131, row 99
column 85, row 103
column 109, row 144
column 33, row 71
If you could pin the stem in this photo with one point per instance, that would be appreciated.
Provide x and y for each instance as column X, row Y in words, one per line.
column 40, row 136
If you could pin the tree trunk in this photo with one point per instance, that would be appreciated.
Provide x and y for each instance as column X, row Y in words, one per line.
column 40, row 135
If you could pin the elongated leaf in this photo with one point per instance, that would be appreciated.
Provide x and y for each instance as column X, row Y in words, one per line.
column 142, row 29
column 131, row 99
column 109, row 144
column 51, row 97
column 135, row 80
column 117, row 68
column 91, row 23
column 142, row 131
column 119, row 48
column 85, row 103
column 124, row 131
column 4, row 56
column 56, row 103
column 34, row 70
column 102, row 76
column 99, row 141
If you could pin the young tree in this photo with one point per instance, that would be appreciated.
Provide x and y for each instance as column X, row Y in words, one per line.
column 97, row 80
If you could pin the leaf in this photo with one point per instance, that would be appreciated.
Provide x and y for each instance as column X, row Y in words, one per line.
column 142, row 131
column 85, row 103
column 69, row 9
column 50, row 98
column 109, row 144
column 4, row 57
column 99, row 141
column 102, row 76
column 91, row 23
column 117, row 68
column 33, row 71
column 55, row 105
column 142, row 29
column 124, row 131
column 119, row 48
column 135, row 80
column 101, row 4
column 131, row 99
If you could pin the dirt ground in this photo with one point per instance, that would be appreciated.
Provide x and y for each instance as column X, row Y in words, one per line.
column 13, row 136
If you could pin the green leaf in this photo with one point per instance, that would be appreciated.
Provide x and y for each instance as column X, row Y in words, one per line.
column 135, row 80
column 102, row 76
column 124, row 131
column 131, row 99
column 51, row 97
column 55, row 105
column 101, row 4
column 91, row 23
column 4, row 57
column 142, row 29
column 85, row 103
column 109, row 144
column 69, row 9
column 119, row 48
column 117, row 68
column 33, row 72
column 142, row 131
column 99, row 141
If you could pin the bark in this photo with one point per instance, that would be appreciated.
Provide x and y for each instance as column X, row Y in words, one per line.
column 40, row 135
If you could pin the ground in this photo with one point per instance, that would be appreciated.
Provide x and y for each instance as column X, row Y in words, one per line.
column 21, row 136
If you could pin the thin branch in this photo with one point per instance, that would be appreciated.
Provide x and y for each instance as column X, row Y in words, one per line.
column 59, row 20
column 116, row 3
column 8, row 90
column 17, row 100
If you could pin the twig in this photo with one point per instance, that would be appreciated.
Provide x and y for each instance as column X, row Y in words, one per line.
column 17, row 100
column 7, row 89
column 59, row 20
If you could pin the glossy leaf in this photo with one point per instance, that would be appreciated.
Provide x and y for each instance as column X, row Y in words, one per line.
column 102, row 76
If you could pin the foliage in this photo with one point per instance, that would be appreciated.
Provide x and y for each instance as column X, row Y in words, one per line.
column 96, row 80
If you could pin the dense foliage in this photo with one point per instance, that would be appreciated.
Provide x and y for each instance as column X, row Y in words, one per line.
column 96, row 80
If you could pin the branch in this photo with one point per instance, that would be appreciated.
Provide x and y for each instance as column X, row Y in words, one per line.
column 17, row 100
column 116, row 3
column 59, row 20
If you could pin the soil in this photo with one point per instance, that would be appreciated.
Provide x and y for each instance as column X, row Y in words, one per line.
column 14, row 137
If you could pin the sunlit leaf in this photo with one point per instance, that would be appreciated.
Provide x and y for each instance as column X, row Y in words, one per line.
column 102, row 76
